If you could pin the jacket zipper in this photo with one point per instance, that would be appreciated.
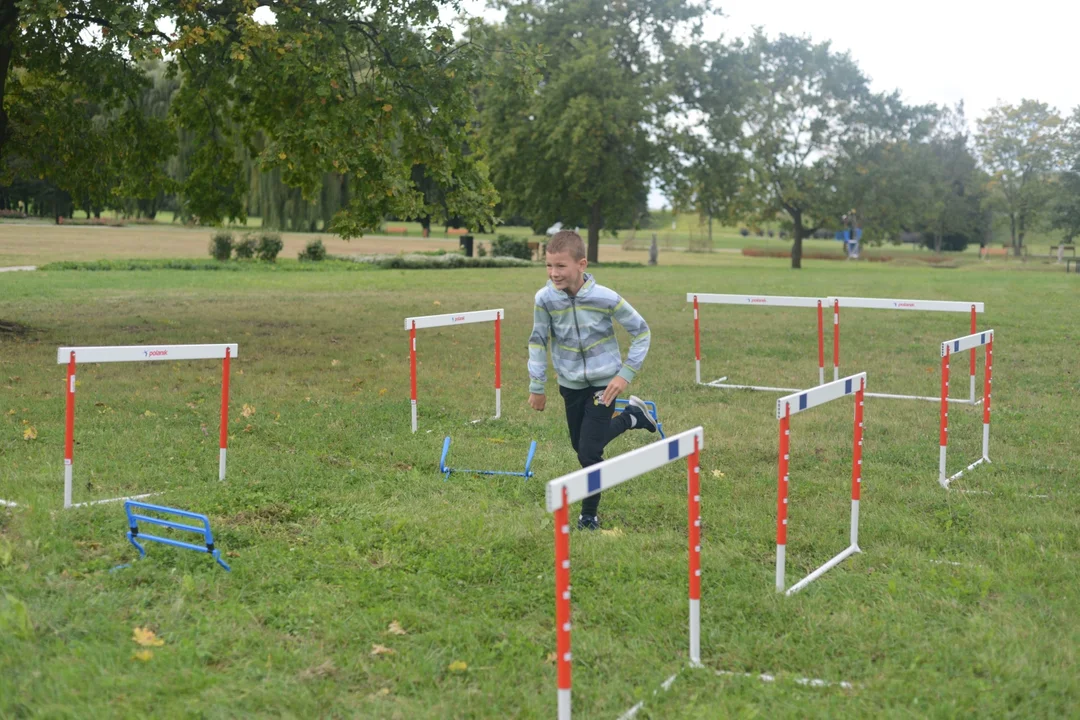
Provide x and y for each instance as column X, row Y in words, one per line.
column 581, row 348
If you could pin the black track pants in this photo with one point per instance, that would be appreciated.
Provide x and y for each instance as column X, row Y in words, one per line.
column 591, row 427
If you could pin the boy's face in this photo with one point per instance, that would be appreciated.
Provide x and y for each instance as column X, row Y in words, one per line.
column 565, row 272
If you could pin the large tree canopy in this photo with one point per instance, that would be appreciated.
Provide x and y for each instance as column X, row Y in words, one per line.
column 582, row 148
column 364, row 89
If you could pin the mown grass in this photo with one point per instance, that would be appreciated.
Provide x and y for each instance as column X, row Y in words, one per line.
column 336, row 522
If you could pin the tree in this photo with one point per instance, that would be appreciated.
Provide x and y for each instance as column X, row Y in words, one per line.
column 1020, row 147
column 583, row 147
column 1066, row 206
column 339, row 86
column 810, row 112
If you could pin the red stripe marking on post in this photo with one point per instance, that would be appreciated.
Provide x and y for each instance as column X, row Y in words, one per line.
column 944, row 436
column 412, row 360
column 782, row 477
column 836, row 334
column 974, row 329
column 225, row 399
column 498, row 352
column 820, row 336
column 986, row 380
column 69, row 409
column 856, row 455
column 697, row 331
column 693, row 501
column 562, row 592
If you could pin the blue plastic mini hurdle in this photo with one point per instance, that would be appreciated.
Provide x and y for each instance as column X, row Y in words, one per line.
column 446, row 470
column 621, row 405
column 133, row 523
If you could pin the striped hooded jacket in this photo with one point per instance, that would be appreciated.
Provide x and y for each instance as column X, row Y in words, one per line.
column 584, row 349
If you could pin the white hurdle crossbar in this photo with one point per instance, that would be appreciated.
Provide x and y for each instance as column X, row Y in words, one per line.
column 603, row 476
column 412, row 324
column 971, row 308
column 139, row 353
column 948, row 348
column 755, row 301
column 785, row 408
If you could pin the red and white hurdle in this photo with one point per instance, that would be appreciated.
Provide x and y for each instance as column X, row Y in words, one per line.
column 785, row 408
column 412, row 324
column 603, row 476
column 969, row 308
column 699, row 299
column 948, row 348
column 73, row 356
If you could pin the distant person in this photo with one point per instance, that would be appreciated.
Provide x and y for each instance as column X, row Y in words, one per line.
column 577, row 314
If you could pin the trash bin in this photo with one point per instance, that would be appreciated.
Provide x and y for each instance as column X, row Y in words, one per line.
column 466, row 242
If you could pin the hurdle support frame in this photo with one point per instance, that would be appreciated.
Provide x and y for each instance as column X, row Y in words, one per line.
column 785, row 408
column 578, row 485
column 621, row 405
column 446, row 470
column 134, row 534
column 72, row 356
column 957, row 345
column 756, row 301
column 857, row 303
column 412, row 324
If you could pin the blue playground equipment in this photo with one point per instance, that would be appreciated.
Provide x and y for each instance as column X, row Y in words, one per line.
column 443, row 468
column 134, row 533
column 621, row 405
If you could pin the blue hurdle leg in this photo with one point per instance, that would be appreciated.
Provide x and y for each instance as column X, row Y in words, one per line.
column 529, row 459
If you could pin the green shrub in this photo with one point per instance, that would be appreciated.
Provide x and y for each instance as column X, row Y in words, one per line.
column 221, row 245
column 508, row 246
column 481, row 251
column 315, row 251
column 245, row 248
column 269, row 246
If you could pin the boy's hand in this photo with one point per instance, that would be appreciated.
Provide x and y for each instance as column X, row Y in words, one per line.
column 616, row 386
column 537, row 401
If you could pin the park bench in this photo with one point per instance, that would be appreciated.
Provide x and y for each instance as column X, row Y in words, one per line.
column 1070, row 262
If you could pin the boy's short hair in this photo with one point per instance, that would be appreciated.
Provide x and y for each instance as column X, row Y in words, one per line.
column 567, row 241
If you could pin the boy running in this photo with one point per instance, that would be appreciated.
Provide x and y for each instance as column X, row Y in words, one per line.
column 577, row 313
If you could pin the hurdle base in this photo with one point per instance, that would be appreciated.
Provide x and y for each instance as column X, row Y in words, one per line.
column 447, row 471
column 719, row 383
column 969, row 468
column 8, row 503
column 112, row 500
column 848, row 552
column 894, row 396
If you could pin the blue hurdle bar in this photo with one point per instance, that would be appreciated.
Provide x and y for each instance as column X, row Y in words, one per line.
column 134, row 532
column 621, row 405
column 443, row 468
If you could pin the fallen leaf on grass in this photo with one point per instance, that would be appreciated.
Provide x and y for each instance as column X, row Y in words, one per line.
column 458, row 666
column 551, row 658
column 437, row 303
column 192, row 405
column 232, row 553
column 383, row 692
column 381, row 650
column 146, row 637
column 396, row 629
column 247, row 410
column 717, row 473
column 11, row 411
column 402, row 466
column 203, row 428
column 148, row 414
column 323, row 669
column 29, row 433
column 382, row 391
column 335, row 363
column 613, row 532
column 143, row 655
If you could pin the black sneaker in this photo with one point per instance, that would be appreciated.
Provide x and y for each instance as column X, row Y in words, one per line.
column 640, row 411
column 588, row 522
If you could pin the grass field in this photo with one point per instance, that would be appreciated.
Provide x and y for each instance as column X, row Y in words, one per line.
column 337, row 524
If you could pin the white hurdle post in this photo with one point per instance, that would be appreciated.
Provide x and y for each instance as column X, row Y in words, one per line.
column 971, row 308
column 948, row 348
column 785, row 408
column 603, row 476
column 138, row 353
column 412, row 324
column 754, row 301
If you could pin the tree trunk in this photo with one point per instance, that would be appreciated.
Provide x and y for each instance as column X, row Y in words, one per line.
column 937, row 241
column 1012, row 232
column 593, row 251
column 1018, row 244
column 710, row 231
column 9, row 26
column 796, row 246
